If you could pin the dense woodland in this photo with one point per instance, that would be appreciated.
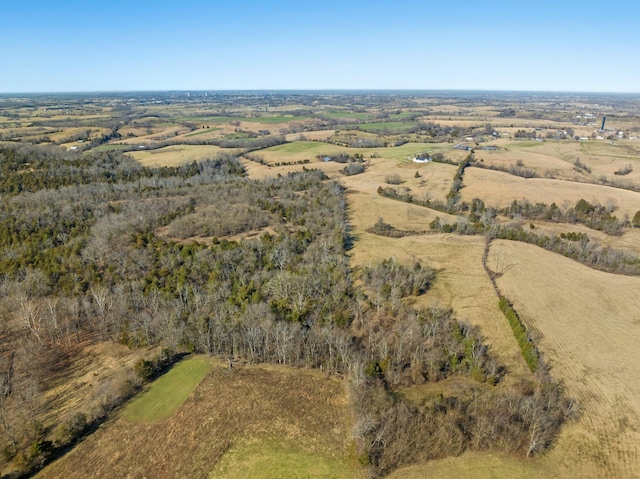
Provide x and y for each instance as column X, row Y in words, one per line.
column 94, row 247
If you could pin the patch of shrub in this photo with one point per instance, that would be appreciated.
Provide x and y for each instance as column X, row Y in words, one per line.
column 353, row 168
column 393, row 279
column 393, row 179
column 385, row 229
column 528, row 350
column 149, row 369
column 624, row 171
column 72, row 429
column 579, row 166
column 35, row 457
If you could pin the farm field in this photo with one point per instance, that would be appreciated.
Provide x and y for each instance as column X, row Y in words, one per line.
column 558, row 158
column 499, row 189
column 461, row 285
column 587, row 324
column 175, row 155
column 219, row 425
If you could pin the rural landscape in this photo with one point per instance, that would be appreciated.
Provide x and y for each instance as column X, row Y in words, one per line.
column 321, row 284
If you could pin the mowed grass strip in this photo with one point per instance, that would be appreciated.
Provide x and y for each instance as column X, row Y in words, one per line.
column 201, row 132
column 167, row 393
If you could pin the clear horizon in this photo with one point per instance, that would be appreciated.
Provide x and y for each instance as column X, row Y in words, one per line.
column 73, row 47
column 318, row 90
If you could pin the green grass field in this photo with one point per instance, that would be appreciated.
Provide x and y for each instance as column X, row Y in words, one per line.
column 390, row 126
column 268, row 458
column 302, row 147
column 201, row 132
column 268, row 120
column 345, row 115
column 166, row 394
column 111, row 147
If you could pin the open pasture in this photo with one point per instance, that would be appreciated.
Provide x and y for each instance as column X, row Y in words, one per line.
column 157, row 133
column 300, row 150
column 319, row 135
column 498, row 189
column 92, row 378
column 587, row 325
column 555, row 157
column 461, row 283
column 175, row 155
column 391, row 127
column 216, row 428
column 434, row 182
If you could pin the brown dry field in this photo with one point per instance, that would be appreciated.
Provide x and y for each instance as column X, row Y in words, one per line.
column 595, row 359
column 353, row 134
column 276, row 154
column 95, row 370
column 603, row 158
column 461, row 282
column 629, row 240
column 267, row 403
column 587, row 324
column 498, row 189
column 591, row 351
column 258, row 171
column 137, row 131
column 175, row 155
column 539, row 157
column 319, row 135
column 157, row 134
column 435, row 178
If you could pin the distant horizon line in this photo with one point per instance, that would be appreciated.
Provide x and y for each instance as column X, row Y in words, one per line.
column 318, row 90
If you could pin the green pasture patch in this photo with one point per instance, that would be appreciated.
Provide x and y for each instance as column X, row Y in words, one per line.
column 345, row 115
column 274, row 119
column 113, row 147
column 391, row 126
column 167, row 393
column 409, row 149
column 202, row 132
column 270, row 458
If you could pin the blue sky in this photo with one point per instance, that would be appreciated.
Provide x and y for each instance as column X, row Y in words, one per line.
column 69, row 45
